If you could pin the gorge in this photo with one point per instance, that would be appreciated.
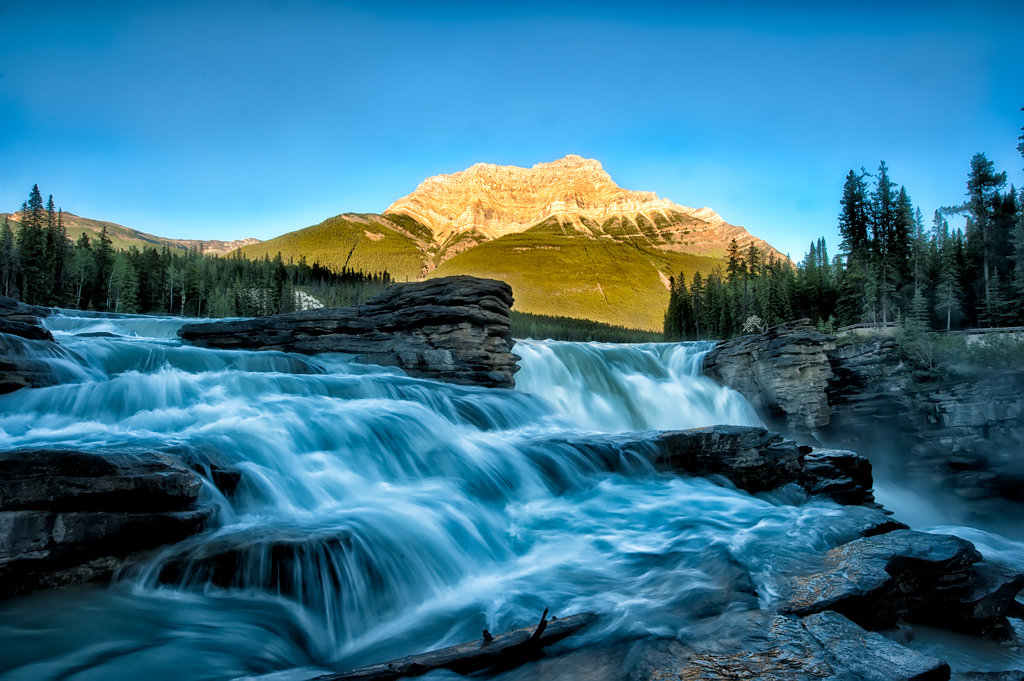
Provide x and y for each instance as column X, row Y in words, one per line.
column 353, row 514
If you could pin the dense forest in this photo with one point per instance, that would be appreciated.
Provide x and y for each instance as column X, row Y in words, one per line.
column 40, row 265
column 891, row 265
column 540, row 327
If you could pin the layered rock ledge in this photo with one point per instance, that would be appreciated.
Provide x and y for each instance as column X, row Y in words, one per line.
column 71, row 517
column 964, row 435
column 453, row 329
column 783, row 372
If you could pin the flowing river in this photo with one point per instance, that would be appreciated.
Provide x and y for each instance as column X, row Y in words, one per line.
column 414, row 513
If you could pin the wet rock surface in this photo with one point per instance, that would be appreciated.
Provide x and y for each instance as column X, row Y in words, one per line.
column 779, row 647
column 69, row 517
column 453, row 329
column 756, row 459
column 23, row 338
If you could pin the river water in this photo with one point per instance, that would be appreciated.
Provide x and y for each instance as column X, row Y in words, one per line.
column 381, row 515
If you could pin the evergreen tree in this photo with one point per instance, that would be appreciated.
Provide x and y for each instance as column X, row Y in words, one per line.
column 8, row 261
column 948, row 292
column 697, row 295
column 983, row 183
column 82, row 268
column 104, row 256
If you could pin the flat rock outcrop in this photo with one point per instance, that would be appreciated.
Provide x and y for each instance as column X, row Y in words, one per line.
column 453, row 329
column 74, row 517
column 783, row 372
column 963, row 435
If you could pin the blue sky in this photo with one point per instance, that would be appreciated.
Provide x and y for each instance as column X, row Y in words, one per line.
column 228, row 120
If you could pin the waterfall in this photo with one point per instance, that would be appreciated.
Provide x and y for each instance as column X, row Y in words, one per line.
column 380, row 515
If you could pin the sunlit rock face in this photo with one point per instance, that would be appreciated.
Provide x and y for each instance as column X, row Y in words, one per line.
column 489, row 201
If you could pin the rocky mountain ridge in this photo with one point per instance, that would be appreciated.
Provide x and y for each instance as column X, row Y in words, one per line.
column 488, row 201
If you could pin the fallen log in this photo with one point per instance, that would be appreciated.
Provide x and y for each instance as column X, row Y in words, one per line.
column 506, row 650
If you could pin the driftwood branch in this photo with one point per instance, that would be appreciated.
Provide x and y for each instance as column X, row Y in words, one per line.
column 466, row 658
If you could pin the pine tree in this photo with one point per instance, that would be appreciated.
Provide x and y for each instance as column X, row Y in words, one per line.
column 104, row 255
column 32, row 248
column 983, row 183
column 948, row 292
column 697, row 295
column 8, row 262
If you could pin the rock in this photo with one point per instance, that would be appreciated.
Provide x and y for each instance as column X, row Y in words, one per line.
column 121, row 481
column 963, row 436
column 786, row 648
column 70, row 517
column 454, row 329
column 19, row 319
column 280, row 560
column 26, row 363
column 756, row 460
column 783, row 372
column 937, row 579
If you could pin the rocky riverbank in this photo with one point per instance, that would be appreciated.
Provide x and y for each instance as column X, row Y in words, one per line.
column 453, row 329
column 963, row 435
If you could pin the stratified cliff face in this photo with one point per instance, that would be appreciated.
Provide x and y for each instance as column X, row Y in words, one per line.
column 489, row 201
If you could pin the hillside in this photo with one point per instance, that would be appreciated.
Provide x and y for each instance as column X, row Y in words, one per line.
column 555, row 271
column 125, row 237
column 370, row 243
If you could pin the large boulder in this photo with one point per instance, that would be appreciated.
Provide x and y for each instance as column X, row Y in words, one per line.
column 73, row 517
column 454, row 329
column 783, row 372
column 939, row 579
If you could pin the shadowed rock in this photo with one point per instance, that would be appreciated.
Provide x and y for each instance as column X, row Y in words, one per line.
column 19, row 319
column 453, row 329
column 783, row 372
column 937, row 579
column 69, row 517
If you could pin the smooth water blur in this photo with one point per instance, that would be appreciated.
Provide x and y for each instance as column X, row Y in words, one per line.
column 380, row 515
column 614, row 388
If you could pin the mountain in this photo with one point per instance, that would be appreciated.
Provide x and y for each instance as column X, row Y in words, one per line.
column 489, row 201
column 125, row 237
column 568, row 239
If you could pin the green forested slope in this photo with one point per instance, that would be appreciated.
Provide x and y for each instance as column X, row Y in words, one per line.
column 355, row 242
column 559, row 272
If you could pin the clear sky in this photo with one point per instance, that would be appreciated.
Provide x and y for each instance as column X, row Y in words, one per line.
column 228, row 120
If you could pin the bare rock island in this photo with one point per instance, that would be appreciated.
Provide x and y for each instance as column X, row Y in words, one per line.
column 453, row 329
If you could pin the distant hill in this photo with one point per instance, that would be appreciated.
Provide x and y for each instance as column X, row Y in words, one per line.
column 125, row 237
column 370, row 243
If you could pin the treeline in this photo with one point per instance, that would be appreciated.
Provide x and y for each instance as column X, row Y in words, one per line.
column 40, row 265
column 539, row 327
column 891, row 265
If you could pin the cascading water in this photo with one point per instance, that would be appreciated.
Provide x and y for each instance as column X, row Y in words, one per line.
column 380, row 515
